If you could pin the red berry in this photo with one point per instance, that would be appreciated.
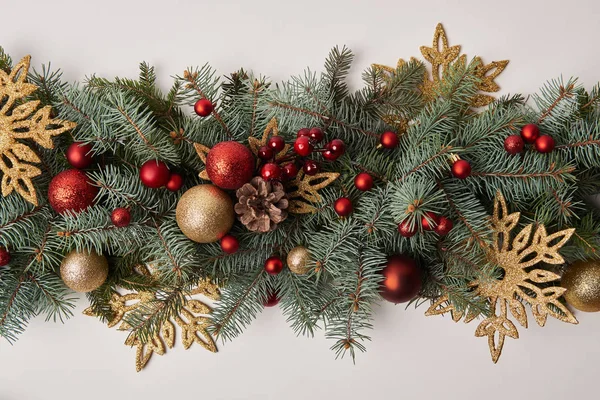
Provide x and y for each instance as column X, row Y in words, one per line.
column 303, row 132
column 175, row 182
column 265, row 153
column 229, row 244
column 329, row 155
column 4, row 256
column 444, row 226
column 270, row 171
column 203, row 107
column 544, row 144
column 79, row 155
column 363, row 181
column 343, row 206
column 389, row 140
column 461, row 169
column 316, row 134
column 514, row 144
column 273, row 265
column 303, row 147
column 337, row 147
column 120, row 217
column 311, row 167
column 272, row 300
column 154, row 174
column 530, row 133
column 276, row 143
column 406, row 230
column 290, row 170
column 429, row 221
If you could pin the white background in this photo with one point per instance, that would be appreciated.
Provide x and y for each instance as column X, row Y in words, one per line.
column 410, row 356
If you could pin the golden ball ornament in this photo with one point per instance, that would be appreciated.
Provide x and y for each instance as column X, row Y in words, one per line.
column 297, row 260
column 205, row 213
column 84, row 271
column 582, row 281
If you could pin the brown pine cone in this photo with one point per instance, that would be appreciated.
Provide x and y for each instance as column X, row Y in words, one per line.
column 261, row 205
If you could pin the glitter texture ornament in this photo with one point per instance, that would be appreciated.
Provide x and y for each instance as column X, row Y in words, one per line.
column 514, row 144
column 402, row 279
column 444, row 226
column 582, row 281
column 205, row 213
column 71, row 190
column 230, row 164
column 4, row 256
column 84, row 271
column 120, row 217
column 154, row 174
column 298, row 259
column 79, row 155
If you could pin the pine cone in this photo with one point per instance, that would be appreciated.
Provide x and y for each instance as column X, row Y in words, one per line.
column 261, row 205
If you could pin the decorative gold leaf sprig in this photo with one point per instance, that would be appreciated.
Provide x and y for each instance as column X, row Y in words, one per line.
column 192, row 321
column 19, row 121
column 521, row 284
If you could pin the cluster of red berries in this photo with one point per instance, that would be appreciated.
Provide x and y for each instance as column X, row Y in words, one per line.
column 430, row 221
column 530, row 133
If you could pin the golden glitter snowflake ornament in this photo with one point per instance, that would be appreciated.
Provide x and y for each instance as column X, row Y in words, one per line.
column 21, row 120
column 522, row 282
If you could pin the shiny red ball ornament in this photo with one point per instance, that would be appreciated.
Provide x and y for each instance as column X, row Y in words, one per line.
column 429, row 221
column 461, row 169
column 229, row 244
column 272, row 299
column 204, row 107
column 406, row 230
column 363, row 181
column 402, row 279
column 530, row 133
column 175, row 182
column 343, row 206
column 154, row 174
column 311, row 167
column 544, row 144
column 316, row 134
column 273, row 265
column 230, row 165
column 514, row 144
column 270, row 171
column 302, row 146
column 120, row 217
column 337, row 147
column 276, row 143
column 265, row 153
column 444, row 226
column 303, row 132
column 79, row 155
column 389, row 140
column 71, row 190
column 4, row 257
column 290, row 170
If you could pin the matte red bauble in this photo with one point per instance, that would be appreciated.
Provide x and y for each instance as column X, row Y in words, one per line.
column 444, row 226
column 79, row 155
column 514, row 144
column 230, row 165
column 303, row 132
column 316, row 134
column 154, row 174
column 530, row 133
column 343, row 206
column 273, row 265
column 276, row 143
column 544, row 144
column 429, row 221
column 389, row 140
column 461, row 169
column 71, row 190
column 4, row 257
column 272, row 300
column 175, row 182
column 402, row 279
column 203, row 107
column 302, row 146
column 120, row 217
column 363, row 181
column 311, row 167
column 406, row 230
column 270, row 171
column 290, row 170
column 229, row 244
column 265, row 153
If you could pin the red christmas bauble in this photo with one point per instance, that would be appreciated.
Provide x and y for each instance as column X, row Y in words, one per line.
column 429, row 221
column 120, row 217
column 343, row 206
column 544, row 144
column 272, row 299
column 363, row 181
column 270, row 171
column 406, row 230
column 265, row 153
column 389, row 140
column 290, row 170
column 204, row 107
column 229, row 244
column 79, row 155
column 461, row 169
column 154, row 174
column 273, row 265
column 276, row 143
column 530, row 133
column 303, row 132
column 402, row 279
column 302, row 146
column 316, row 134
column 311, row 167
column 230, row 165
column 71, row 190
column 175, row 182
column 514, row 144
column 444, row 226
column 4, row 256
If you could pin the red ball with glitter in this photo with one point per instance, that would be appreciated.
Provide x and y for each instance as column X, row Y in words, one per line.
column 406, row 230
column 363, row 181
column 461, row 169
column 154, row 174
column 4, row 256
column 389, row 140
column 273, row 265
column 175, row 182
column 79, row 155
column 444, row 226
column 402, row 279
column 71, row 190
column 530, row 133
column 120, row 217
column 203, row 107
column 514, row 144
column 229, row 244
column 544, row 144
column 343, row 206
column 230, row 165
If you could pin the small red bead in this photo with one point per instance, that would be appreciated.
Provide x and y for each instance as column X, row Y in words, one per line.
column 273, row 265
column 544, row 144
column 444, row 226
column 154, row 174
column 389, row 140
column 316, row 134
column 203, row 107
column 363, row 181
column 337, row 147
column 265, row 153
column 272, row 300
column 429, row 221
column 311, row 167
column 406, row 230
column 530, row 133
column 303, row 132
column 290, row 170
column 175, row 182
column 229, row 244
column 4, row 256
column 79, row 155
column 270, row 171
column 120, row 217
column 303, row 147
column 343, row 206
column 461, row 169
column 514, row 144
column 276, row 143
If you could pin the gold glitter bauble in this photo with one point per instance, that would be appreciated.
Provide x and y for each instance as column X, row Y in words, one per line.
column 84, row 271
column 205, row 213
column 297, row 260
column 582, row 281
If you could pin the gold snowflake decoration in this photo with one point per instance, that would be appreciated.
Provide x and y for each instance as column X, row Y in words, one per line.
column 19, row 121
column 521, row 284
column 192, row 320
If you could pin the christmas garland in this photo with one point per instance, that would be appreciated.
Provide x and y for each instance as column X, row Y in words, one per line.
column 419, row 187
